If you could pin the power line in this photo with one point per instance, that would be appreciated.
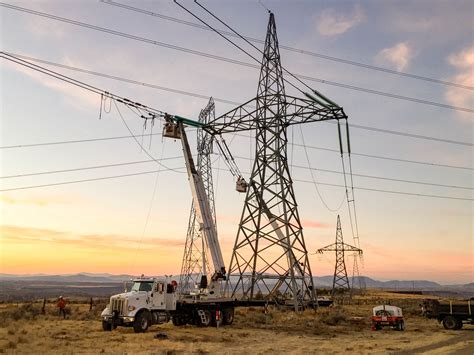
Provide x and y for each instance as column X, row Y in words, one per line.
column 390, row 158
column 298, row 180
column 391, row 191
column 233, row 61
column 84, row 180
column 412, row 135
column 126, row 80
column 74, row 141
column 78, row 83
column 240, row 135
column 238, row 157
column 289, row 48
column 86, row 168
column 239, row 47
column 182, row 92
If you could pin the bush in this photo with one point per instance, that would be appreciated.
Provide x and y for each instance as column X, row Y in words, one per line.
column 333, row 316
column 25, row 311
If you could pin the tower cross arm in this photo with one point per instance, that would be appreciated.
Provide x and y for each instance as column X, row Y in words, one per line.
column 339, row 247
column 295, row 111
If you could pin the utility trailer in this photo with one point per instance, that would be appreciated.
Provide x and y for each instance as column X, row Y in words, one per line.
column 452, row 314
column 387, row 316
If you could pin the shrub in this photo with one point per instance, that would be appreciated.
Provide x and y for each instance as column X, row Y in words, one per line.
column 333, row 316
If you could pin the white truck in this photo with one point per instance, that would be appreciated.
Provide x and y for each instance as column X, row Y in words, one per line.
column 155, row 301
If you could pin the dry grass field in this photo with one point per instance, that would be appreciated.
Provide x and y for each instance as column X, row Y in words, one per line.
column 339, row 329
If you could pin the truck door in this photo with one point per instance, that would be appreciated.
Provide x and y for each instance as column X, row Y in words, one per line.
column 159, row 296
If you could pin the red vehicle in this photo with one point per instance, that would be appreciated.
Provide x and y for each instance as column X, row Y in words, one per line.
column 387, row 316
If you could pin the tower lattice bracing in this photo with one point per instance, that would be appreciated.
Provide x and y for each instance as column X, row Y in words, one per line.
column 270, row 257
column 195, row 259
column 340, row 281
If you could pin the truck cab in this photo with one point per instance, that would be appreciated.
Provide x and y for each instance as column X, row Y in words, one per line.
column 149, row 301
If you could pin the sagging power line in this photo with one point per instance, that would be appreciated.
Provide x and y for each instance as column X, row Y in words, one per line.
column 193, row 94
column 289, row 48
column 245, row 172
column 233, row 61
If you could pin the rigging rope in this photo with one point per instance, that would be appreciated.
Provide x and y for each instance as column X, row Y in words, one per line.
column 314, row 180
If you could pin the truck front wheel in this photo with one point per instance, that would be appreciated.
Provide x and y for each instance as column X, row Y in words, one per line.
column 142, row 322
column 450, row 323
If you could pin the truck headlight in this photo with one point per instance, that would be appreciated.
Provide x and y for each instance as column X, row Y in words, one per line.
column 131, row 308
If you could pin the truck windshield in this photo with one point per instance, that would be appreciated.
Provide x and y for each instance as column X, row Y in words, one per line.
column 142, row 286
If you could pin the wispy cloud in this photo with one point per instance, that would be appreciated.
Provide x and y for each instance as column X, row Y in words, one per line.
column 463, row 62
column 397, row 57
column 42, row 200
column 15, row 201
column 44, row 28
column 307, row 223
column 79, row 98
column 32, row 235
column 332, row 23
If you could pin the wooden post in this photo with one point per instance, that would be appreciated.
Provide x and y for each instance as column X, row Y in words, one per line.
column 43, row 309
column 90, row 308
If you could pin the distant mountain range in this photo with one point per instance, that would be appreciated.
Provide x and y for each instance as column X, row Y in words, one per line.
column 322, row 281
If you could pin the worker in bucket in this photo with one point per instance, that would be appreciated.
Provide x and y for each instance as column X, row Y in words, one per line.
column 62, row 306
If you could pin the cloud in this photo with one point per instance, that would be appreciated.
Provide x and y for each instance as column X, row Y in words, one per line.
column 42, row 200
column 307, row 223
column 44, row 28
column 436, row 24
column 397, row 57
column 463, row 63
column 14, row 201
column 31, row 235
column 76, row 96
column 331, row 23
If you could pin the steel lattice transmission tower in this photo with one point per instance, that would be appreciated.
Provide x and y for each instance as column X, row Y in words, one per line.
column 270, row 256
column 340, row 280
column 195, row 259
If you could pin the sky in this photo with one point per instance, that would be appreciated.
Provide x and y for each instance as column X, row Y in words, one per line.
column 137, row 224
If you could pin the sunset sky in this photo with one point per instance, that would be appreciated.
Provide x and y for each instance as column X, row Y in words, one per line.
column 124, row 225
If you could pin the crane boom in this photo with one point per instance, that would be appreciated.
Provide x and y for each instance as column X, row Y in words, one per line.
column 200, row 200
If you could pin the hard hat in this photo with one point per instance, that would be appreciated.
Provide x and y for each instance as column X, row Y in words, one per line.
column 60, row 296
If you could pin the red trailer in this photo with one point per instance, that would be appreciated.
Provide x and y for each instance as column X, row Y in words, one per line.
column 387, row 316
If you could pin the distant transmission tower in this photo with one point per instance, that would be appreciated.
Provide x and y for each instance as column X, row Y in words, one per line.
column 195, row 261
column 340, row 281
column 356, row 274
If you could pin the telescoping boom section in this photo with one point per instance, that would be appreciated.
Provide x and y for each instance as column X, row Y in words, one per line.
column 174, row 128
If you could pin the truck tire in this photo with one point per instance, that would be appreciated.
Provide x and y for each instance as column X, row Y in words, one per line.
column 106, row 326
column 450, row 323
column 207, row 319
column 228, row 316
column 142, row 322
column 459, row 325
column 178, row 321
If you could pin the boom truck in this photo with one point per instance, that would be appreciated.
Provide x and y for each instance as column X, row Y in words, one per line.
column 156, row 300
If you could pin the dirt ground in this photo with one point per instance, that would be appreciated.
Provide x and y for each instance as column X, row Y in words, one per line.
column 340, row 329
